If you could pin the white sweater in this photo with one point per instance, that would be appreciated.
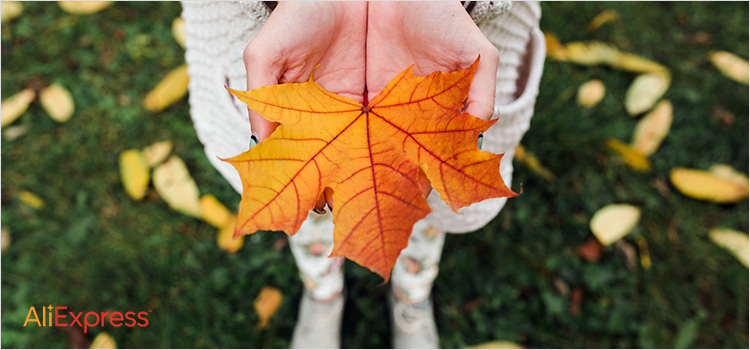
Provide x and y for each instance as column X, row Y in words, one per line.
column 218, row 32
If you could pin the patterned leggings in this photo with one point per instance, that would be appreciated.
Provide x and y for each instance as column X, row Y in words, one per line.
column 412, row 276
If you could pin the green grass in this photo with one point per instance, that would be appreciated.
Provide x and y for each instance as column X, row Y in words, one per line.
column 93, row 248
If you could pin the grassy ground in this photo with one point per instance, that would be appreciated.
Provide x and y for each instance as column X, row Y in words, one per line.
column 93, row 248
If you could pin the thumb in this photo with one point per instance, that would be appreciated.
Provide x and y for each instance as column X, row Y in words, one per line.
column 260, row 72
column 481, row 101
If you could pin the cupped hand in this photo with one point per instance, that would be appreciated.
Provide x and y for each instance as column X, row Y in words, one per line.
column 435, row 36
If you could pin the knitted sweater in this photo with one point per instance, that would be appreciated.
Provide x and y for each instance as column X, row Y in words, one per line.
column 218, row 32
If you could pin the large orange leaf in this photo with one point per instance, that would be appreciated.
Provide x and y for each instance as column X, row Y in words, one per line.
column 369, row 156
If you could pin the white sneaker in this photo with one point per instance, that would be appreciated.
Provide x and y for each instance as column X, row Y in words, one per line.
column 413, row 326
column 318, row 323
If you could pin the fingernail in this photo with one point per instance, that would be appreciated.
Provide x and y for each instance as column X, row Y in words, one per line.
column 253, row 141
column 480, row 140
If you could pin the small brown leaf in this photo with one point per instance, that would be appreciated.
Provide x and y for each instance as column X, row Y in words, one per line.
column 77, row 339
column 652, row 129
column 14, row 106
column 178, row 31
column 10, row 10
column 590, row 93
column 731, row 66
column 645, row 91
column 5, row 240
column 561, row 286
column 634, row 159
column 157, row 152
column 103, row 341
column 266, row 304
column 591, row 250
column 170, row 89
column 31, row 200
column 173, row 183
column 57, row 102
column 225, row 239
column 712, row 186
column 724, row 116
column 628, row 252
column 575, row 301
column 612, row 222
column 84, row 7
column 602, row 18
column 734, row 241
column 472, row 305
column 134, row 173
column 214, row 212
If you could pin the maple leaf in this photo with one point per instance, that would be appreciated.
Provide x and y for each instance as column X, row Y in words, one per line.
column 370, row 156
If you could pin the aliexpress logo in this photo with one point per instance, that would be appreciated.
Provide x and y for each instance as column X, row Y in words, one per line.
column 64, row 318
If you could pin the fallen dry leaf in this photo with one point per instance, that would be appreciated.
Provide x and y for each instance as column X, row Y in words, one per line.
column 634, row 63
column 645, row 91
column 497, row 344
column 266, row 304
column 591, row 250
column 14, row 106
column 731, row 65
column 225, row 238
column 214, row 212
column 724, row 116
column 613, row 222
column 532, row 162
column 157, row 152
column 725, row 171
column 4, row 240
column 103, row 341
column 602, row 18
column 643, row 252
column 57, row 102
column 173, row 183
column 170, row 89
column 13, row 132
column 634, row 159
column 628, row 252
column 590, row 93
column 555, row 50
column 31, row 200
column 178, row 31
column 651, row 130
column 575, row 301
column 134, row 173
column 84, row 7
column 10, row 10
column 591, row 53
column 370, row 156
column 734, row 241
column 711, row 186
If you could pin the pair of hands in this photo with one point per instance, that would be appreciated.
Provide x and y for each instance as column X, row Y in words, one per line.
column 361, row 46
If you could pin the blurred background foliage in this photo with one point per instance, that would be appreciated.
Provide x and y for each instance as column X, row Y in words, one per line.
column 520, row 279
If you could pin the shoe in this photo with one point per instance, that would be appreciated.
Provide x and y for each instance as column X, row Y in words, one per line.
column 413, row 326
column 318, row 323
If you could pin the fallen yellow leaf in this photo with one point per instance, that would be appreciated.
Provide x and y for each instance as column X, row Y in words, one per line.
column 497, row 344
column 225, row 239
column 531, row 161
column 157, row 152
column 643, row 251
column 651, row 130
column 13, row 132
column 4, row 240
column 630, row 156
column 590, row 53
column 103, row 341
column 170, row 89
column 173, row 183
column 10, row 10
column 725, row 171
column 734, row 241
column 590, row 93
column 14, row 106
column 555, row 50
column 31, row 200
column 634, row 63
column 266, row 304
column 57, row 102
column 178, row 31
column 645, row 91
column 84, row 7
column 709, row 186
column 731, row 65
column 134, row 173
column 214, row 212
column 602, row 18
column 613, row 222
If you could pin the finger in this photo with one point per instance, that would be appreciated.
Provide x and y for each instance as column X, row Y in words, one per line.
column 261, row 71
column 481, row 101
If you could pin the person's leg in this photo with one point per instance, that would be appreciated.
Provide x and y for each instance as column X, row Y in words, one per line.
column 322, row 304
